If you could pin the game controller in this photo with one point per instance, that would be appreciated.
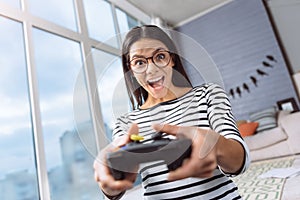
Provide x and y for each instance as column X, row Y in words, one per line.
column 126, row 159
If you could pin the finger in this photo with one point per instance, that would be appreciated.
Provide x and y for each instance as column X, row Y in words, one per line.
column 116, row 186
column 182, row 172
column 108, row 181
column 96, row 177
column 134, row 129
column 209, row 142
column 121, row 141
column 166, row 128
column 206, row 174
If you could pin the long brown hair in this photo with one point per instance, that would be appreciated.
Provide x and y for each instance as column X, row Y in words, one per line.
column 136, row 93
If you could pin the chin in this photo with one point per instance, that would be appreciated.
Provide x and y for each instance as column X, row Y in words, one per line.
column 160, row 94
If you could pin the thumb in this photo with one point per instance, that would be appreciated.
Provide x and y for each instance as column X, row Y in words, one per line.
column 124, row 139
column 166, row 128
column 134, row 129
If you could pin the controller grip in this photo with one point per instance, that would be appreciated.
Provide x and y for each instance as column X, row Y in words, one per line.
column 178, row 162
column 118, row 175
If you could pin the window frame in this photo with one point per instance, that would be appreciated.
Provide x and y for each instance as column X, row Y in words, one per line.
column 29, row 21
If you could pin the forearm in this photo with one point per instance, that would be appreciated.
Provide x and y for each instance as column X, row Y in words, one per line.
column 230, row 155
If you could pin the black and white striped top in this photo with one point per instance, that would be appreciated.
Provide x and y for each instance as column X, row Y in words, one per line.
column 205, row 106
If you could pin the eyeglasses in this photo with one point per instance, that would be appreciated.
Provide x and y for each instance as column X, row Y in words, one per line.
column 160, row 58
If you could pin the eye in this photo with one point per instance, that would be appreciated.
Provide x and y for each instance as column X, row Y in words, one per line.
column 138, row 62
column 160, row 56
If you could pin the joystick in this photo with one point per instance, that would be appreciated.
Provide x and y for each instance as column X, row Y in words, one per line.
column 127, row 158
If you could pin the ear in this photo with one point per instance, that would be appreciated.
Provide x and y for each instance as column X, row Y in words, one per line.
column 172, row 63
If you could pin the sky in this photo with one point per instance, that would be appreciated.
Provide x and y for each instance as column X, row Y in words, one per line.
column 59, row 66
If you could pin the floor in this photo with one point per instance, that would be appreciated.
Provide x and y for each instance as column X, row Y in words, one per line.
column 291, row 189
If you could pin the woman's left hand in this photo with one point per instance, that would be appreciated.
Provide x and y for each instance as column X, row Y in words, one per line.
column 208, row 151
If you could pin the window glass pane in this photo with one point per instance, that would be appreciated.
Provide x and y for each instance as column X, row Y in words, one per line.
column 18, row 178
column 60, row 12
column 100, row 21
column 111, row 87
column 112, row 91
column 69, row 144
column 125, row 21
column 14, row 3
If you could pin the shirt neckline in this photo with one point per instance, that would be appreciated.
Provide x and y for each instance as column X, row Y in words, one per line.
column 167, row 102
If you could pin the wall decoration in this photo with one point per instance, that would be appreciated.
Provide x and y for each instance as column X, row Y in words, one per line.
column 262, row 73
column 245, row 86
column 253, row 79
column 271, row 58
column 288, row 104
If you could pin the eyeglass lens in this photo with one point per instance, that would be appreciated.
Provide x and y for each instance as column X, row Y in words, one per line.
column 160, row 59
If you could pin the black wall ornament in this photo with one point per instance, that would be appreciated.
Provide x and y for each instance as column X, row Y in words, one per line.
column 245, row 87
column 270, row 57
column 260, row 72
column 254, row 80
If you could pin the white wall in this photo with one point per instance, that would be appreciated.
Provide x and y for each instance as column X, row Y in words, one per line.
column 286, row 16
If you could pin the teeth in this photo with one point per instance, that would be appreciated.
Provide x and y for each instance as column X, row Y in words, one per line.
column 155, row 80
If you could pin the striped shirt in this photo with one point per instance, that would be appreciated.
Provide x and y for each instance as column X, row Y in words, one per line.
column 205, row 106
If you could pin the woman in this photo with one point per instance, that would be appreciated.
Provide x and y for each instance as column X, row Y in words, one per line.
column 163, row 100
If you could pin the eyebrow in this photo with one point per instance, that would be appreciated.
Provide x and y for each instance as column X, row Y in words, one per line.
column 154, row 52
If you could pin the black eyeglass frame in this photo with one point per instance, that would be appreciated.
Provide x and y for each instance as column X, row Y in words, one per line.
column 151, row 57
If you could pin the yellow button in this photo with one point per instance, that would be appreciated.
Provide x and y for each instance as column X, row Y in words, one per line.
column 135, row 137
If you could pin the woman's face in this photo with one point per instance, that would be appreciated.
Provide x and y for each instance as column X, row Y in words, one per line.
column 155, row 80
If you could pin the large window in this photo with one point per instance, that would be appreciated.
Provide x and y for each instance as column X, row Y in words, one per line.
column 18, row 177
column 111, row 87
column 14, row 3
column 59, row 64
column 125, row 22
column 100, row 21
column 55, row 56
column 60, row 12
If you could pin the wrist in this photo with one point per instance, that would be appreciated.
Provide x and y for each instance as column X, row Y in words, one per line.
column 110, row 192
column 113, row 195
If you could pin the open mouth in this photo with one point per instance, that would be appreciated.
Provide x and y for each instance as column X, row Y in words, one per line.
column 157, row 82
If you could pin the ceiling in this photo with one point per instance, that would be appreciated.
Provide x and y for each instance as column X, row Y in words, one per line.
column 177, row 12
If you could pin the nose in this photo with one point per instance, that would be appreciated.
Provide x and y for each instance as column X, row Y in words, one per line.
column 151, row 68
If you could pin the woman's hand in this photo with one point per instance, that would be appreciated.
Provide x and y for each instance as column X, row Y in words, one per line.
column 209, row 150
column 102, row 174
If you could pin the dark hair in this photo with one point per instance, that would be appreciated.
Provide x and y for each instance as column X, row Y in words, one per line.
column 136, row 93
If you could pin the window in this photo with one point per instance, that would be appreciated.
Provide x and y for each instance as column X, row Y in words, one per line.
column 51, row 65
column 111, row 87
column 100, row 21
column 60, row 12
column 13, row 3
column 125, row 21
column 58, row 62
column 17, row 167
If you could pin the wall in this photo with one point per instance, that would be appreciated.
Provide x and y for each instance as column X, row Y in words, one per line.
column 241, row 41
column 286, row 18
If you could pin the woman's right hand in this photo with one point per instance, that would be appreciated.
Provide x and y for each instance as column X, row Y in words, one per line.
column 102, row 174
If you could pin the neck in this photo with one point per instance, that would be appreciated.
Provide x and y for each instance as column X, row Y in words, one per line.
column 172, row 94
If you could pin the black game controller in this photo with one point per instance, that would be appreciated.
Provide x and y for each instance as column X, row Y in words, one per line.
column 127, row 158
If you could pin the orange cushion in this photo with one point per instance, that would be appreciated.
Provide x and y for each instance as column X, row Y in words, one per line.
column 248, row 129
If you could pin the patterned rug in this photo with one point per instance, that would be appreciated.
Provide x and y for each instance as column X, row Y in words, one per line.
column 252, row 187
